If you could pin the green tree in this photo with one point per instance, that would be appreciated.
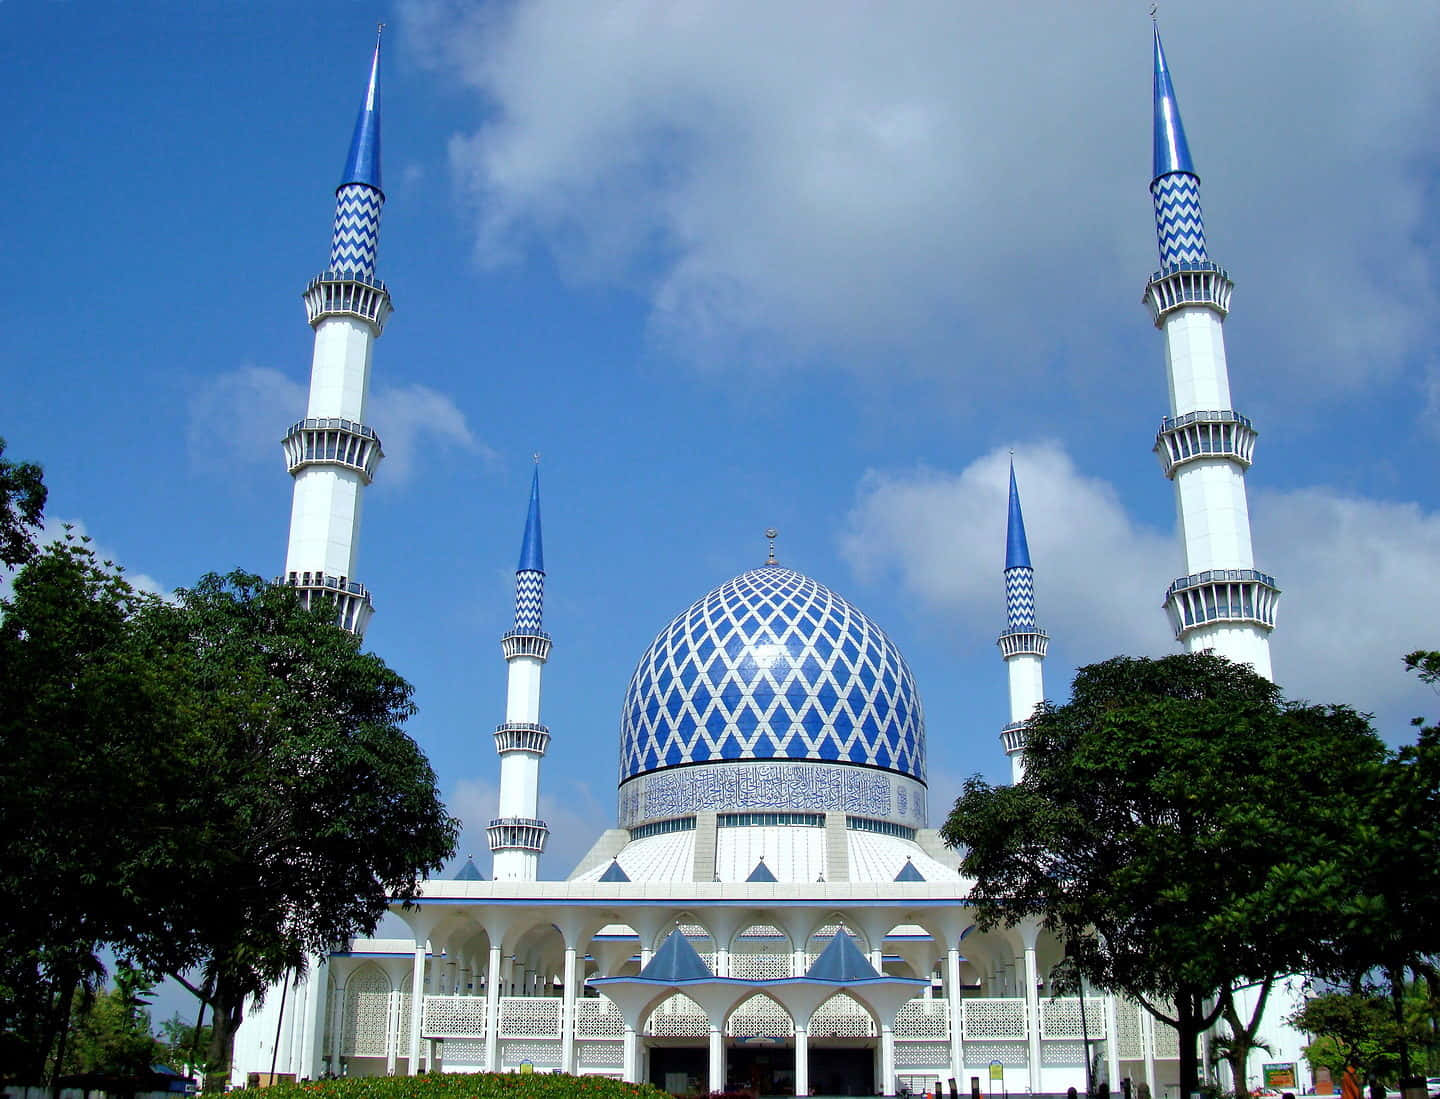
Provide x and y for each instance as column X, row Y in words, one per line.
column 89, row 750
column 185, row 1044
column 22, row 507
column 1353, row 1030
column 1169, row 829
column 309, row 809
column 110, row 1031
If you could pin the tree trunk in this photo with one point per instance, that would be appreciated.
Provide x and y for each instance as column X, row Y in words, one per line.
column 1187, row 1018
column 1242, row 1037
column 226, row 1010
column 1397, row 1000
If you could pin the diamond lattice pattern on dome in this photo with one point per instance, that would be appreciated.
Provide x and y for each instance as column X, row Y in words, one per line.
column 772, row 665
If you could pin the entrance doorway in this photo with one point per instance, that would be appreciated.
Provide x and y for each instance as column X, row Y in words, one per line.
column 842, row 1071
column 681, row 1069
column 766, row 1070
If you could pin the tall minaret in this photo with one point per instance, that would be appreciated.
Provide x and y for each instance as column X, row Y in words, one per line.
column 331, row 453
column 517, row 837
column 1204, row 446
column 1023, row 643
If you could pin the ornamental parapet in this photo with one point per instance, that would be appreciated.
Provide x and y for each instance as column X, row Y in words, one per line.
column 1032, row 642
column 534, row 643
column 352, row 602
column 337, row 294
column 1217, row 433
column 1185, row 284
column 1221, row 595
column 1013, row 737
column 332, row 441
column 521, row 736
column 518, row 834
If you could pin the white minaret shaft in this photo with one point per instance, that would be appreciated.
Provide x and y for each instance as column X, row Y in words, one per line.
column 1204, row 446
column 517, row 836
column 1023, row 643
column 331, row 453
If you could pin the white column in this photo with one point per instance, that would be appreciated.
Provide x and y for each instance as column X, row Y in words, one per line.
column 1112, row 1044
column 717, row 1057
column 802, row 1058
column 567, row 1019
column 1147, row 1042
column 492, row 1011
column 392, row 1030
column 887, row 1059
column 952, row 982
column 631, row 1074
column 417, row 1006
column 1032, row 1012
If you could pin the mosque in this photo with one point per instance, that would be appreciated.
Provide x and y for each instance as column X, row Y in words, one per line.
column 772, row 908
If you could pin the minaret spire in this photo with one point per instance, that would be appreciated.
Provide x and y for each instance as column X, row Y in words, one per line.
column 1204, row 445
column 1023, row 643
column 517, row 836
column 331, row 453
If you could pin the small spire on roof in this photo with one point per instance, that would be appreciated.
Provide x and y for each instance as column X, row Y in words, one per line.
column 771, row 533
column 363, row 163
column 532, row 555
column 1017, row 548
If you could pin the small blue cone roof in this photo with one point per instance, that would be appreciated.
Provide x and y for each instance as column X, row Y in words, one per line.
column 363, row 163
column 676, row 960
column 842, row 962
column 909, row 873
column 532, row 555
column 1017, row 549
column 614, row 872
column 761, row 872
column 1172, row 152
column 469, row 872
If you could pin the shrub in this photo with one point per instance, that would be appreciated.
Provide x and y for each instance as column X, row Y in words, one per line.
column 459, row 1085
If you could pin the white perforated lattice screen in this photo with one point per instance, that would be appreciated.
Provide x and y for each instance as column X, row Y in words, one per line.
column 993, row 1018
column 367, row 1013
column 1062, row 1018
column 598, row 1018
column 924, row 1019
column 539, row 1054
column 1128, row 1037
column 453, row 1017
column 678, row 1017
column 530, row 1016
column 1053, row 1053
column 599, row 1055
column 760, row 1017
column 841, row 1017
column 1009, row 1054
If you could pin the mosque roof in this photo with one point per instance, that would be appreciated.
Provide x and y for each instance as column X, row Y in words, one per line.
column 614, row 872
column 909, row 872
column 532, row 555
column 772, row 665
column 762, row 872
column 842, row 962
column 469, row 872
column 1017, row 548
column 676, row 960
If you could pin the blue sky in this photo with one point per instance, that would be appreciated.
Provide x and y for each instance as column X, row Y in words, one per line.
column 727, row 266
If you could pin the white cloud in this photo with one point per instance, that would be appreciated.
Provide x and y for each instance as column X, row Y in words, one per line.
column 862, row 181
column 1356, row 574
column 238, row 417
column 575, row 814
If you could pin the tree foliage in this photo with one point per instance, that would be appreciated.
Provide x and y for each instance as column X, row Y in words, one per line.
column 1171, row 831
column 1358, row 1030
column 219, row 785
column 22, row 507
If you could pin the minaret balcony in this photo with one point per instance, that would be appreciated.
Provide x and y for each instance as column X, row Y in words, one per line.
column 518, row 833
column 1185, row 284
column 352, row 602
column 522, row 736
column 1013, row 737
column 334, row 294
column 1221, row 595
column 1213, row 434
column 1031, row 642
column 335, row 442
column 534, row 643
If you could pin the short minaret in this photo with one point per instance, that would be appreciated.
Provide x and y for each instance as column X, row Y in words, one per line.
column 1204, row 445
column 517, row 837
column 331, row 453
column 1023, row 643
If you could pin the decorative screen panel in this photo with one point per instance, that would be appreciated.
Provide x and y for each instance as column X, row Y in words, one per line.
column 993, row 1018
column 1009, row 1054
column 924, row 1019
column 922, row 1054
column 841, row 1017
column 367, row 1013
column 540, row 1054
column 453, row 1017
column 598, row 1017
column 678, row 1017
column 530, row 1016
column 760, row 1017
column 1062, row 1018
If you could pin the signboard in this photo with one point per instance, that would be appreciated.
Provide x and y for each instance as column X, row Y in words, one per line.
column 1280, row 1076
column 527, row 1068
column 997, row 1071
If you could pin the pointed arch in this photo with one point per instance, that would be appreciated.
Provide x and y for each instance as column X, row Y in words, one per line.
column 759, row 1015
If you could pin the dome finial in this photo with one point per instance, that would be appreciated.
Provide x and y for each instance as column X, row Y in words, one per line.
column 771, row 533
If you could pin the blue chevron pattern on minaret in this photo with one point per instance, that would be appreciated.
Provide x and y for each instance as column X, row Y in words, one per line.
column 357, row 231
column 1179, row 226
column 530, row 573
column 1019, row 576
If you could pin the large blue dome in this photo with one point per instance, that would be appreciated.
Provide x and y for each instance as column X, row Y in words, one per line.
column 772, row 666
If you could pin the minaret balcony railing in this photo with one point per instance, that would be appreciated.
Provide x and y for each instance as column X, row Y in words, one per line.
column 1186, row 284
column 534, row 643
column 352, row 602
column 334, row 294
column 1013, row 736
column 333, row 441
column 1213, row 434
column 522, row 736
column 518, row 833
column 1221, row 595
column 1031, row 642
